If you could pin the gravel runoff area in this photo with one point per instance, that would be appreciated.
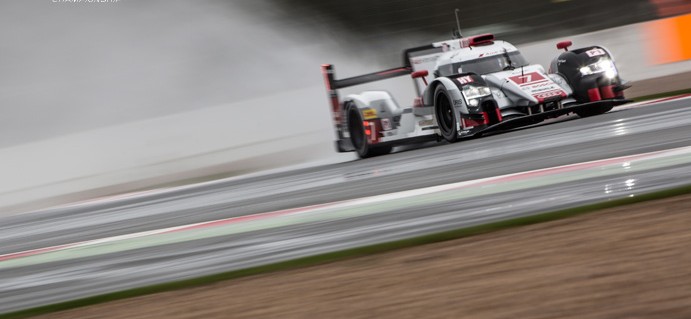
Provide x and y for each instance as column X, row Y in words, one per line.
column 627, row 262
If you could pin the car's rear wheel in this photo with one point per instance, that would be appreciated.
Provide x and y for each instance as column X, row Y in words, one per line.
column 359, row 139
column 445, row 114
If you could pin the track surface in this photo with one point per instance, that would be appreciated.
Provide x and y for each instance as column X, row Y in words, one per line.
column 656, row 127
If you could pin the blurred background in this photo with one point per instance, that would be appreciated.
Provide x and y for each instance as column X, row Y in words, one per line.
column 105, row 97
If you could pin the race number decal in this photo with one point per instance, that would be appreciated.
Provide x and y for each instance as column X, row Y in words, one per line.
column 465, row 80
column 595, row 52
column 527, row 78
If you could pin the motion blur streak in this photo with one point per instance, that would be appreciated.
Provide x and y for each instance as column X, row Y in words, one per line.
column 668, row 39
column 93, row 89
column 671, row 7
column 88, row 271
column 71, row 67
column 104, row 98
column 357, row 207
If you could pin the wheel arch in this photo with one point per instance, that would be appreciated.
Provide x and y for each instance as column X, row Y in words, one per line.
column 368, row 106
column 379, row 101
column 455, row 97
column 452, row 89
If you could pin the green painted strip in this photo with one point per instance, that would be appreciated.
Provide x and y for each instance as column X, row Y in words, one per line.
column 661, row 95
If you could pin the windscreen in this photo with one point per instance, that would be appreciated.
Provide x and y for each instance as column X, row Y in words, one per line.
column 491, row 64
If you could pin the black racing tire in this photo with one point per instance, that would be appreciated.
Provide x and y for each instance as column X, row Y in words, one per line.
column 357, row 137
column 593, row 111
column 444, row 113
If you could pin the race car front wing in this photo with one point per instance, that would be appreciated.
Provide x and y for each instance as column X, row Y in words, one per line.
column 538, row 117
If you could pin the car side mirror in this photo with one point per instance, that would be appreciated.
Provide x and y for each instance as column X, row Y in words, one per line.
column 420, row 74
column 564, row 45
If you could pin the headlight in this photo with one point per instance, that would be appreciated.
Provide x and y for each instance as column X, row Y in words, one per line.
column 603, row 66
column 473, row 92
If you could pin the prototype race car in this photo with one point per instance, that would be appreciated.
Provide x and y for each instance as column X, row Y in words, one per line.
column 477, row 85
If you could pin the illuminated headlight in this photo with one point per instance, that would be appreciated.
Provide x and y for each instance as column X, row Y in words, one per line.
column 603, row 66
column 473, row 92
column 474, row 102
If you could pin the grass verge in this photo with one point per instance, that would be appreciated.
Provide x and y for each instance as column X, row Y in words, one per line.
column 349, row 253
column 661, row 95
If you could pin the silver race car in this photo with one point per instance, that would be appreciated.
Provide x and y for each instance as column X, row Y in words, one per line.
column 468, row 87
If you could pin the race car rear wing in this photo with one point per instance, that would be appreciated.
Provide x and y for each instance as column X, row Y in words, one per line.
column 328, row 69
column 414, row 59
column 410, row 57
column 332, row 85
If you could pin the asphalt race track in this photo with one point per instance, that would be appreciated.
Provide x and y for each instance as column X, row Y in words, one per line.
column 132, row 260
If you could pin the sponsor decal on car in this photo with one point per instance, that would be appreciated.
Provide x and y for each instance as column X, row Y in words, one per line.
column 595, row 52
column 386, row 124
column 425, row 59
column 486, row 54
column 369, row 114
column 538, row 86
column 426, row 123
column 546, row 95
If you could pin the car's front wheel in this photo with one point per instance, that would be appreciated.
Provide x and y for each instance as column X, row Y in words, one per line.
column 445, row 114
